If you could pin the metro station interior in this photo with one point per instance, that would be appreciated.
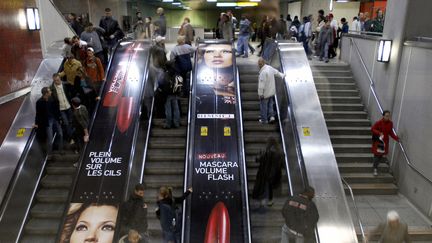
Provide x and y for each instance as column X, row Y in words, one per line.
column 207, row 131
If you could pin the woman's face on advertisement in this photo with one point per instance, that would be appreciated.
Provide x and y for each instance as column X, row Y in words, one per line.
column 95, row 224
column 218, row 56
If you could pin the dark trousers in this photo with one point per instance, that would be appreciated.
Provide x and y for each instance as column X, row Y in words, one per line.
column 378, row 159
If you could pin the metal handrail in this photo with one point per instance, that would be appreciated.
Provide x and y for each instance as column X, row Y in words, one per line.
column 365, row 33
column 372, row 86
column 356, row 209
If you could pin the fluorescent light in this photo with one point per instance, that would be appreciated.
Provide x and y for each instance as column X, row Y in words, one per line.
column 226, row 4
column 384, row 51
column 211, row 1
column 176, row 3
column 32, row 17
column 255, row 0
column 167, row 1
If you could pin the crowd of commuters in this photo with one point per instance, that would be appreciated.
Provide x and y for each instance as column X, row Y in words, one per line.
column 66, row 105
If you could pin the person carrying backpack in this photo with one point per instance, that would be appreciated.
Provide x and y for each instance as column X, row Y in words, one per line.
column 301, row 217
column 181, row 56
column 170, row 215
column 171, row 86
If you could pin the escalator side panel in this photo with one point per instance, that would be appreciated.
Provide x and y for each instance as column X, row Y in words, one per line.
column 217, row 210
column 335, row 223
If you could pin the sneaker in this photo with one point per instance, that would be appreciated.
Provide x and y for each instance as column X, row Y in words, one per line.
column 72, row 142
column 270, row 203
column 75, row 165
column 272, row 119
column 244, row 56
column 252, row 51
column 375, row 172
column 262, row 121
column 326, row 61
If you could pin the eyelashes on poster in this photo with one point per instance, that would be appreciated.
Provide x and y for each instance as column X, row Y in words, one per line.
column 216, row 205
column 103, row 173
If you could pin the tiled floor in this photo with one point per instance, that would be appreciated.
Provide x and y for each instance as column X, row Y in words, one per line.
column 373, row 210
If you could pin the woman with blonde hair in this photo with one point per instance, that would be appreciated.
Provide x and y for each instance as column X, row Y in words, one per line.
column 169, row 214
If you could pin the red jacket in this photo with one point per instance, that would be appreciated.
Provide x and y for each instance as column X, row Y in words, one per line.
column 386, row 128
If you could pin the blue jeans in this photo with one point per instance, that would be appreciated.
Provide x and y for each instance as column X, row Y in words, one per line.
column 266, row 108
column 324, row 51
column 54, row 124
column 66, row 116
column 243, row 45
column 306, row 46
column 171, row 106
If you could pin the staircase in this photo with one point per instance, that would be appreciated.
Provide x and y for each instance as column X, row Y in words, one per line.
column 349, row 129
column 164, row 165
column 265, row 226
column 51, row 199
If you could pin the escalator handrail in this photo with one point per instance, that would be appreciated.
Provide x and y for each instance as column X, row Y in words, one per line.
column 189, row 142
column 295, row 133
column 242, row 153
column 137, row 121
column 359, row 221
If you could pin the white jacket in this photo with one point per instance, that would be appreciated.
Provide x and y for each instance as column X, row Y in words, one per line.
column 355, row 26
column 266, row 81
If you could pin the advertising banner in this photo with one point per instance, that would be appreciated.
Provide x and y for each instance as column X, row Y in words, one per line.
column 217, row 206
column 103, row 172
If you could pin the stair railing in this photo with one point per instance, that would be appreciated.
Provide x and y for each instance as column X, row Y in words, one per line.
column 372, row 88
column 355, row 208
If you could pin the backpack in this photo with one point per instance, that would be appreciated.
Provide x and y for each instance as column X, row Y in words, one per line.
column 171, row 217
column 172, row 84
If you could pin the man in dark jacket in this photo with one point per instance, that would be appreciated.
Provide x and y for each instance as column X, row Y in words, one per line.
column 133, row 213
column 160, row 24
column 301, row 217
column 113, row 33
column 48, row 119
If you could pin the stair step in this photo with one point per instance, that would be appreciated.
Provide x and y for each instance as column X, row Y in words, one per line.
column 66, row 157
column 333, row 92
column 329, row 66
column 57, row 181
column 348, row 122
column 251, row 86
column 259, row 137
column 340, row 99
column 164, row 168
column 373, row 188
column 167, row 145
column 48, row 210
column 351, row 139
column 349, row 130
column 255, row 126
column 174, row 132
column 161, row 180
column 335, row 86
column 160, row 122
column 354, row 157
column 42, row 226
column 352, row 148
column 342, row 107
column 367, row 178
column 333, row 79
column 345, row 114
column 52, row 195
column 332, row 73
column 361, row 168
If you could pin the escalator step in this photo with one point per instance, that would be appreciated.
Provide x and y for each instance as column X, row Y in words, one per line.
column 28, row 238
column 42, row 226
column 57, row 181
column 52, row 195
column 48, row 210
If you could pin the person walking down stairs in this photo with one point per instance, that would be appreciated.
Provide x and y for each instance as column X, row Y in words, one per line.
column 381, row 131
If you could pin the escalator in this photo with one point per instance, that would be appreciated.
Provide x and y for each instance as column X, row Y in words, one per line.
column 45, row 204
column 164, row 165
column 265, row 223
